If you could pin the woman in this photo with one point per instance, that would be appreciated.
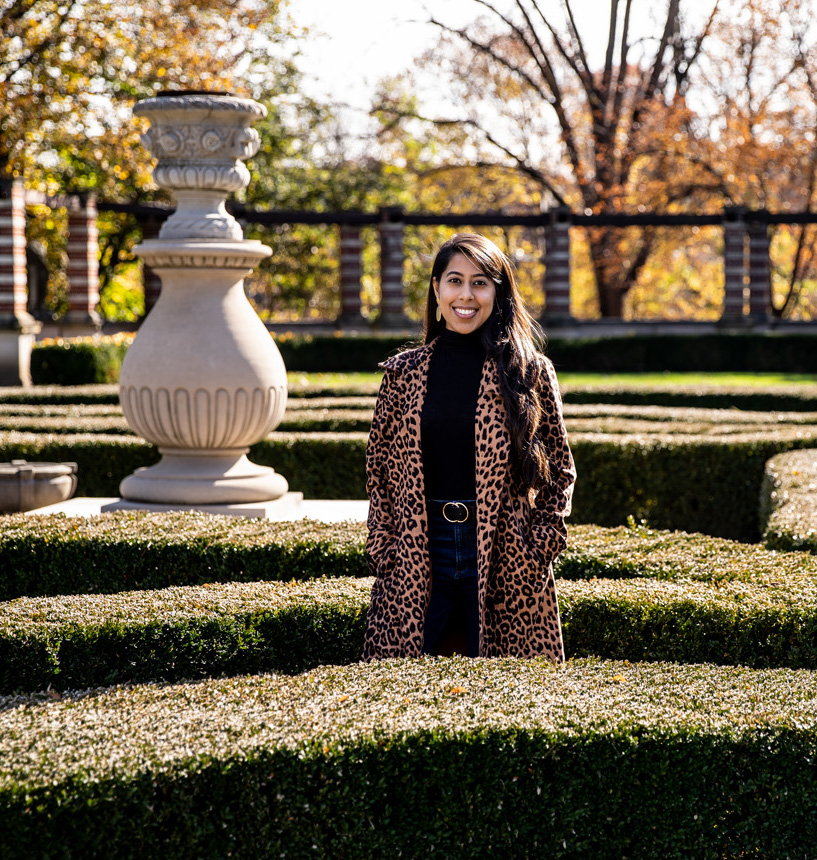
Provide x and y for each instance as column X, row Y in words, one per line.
column 469, row 473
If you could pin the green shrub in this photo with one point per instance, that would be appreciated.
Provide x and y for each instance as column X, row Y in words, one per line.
column 79, row 361
column 322, row 415
column 444, row 759
column 190, row 632
column 297, row 421
column 61, row 394
column 685, row 353
column 126, row 550
column 697, row 484
column 775, row 352
column 799, row 398
column 664, row 596
column 104, row 460
column 339, row 353
column 789, row 501
column 82, row 362
column 707, row 484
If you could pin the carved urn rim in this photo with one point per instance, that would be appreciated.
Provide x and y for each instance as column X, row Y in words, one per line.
column 198, row 101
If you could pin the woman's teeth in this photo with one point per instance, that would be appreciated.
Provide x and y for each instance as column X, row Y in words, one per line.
column 465, row 312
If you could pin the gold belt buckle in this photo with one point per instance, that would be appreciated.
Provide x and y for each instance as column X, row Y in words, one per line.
column 456, row 505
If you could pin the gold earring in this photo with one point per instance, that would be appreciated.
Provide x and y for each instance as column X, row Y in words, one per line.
column 439, row 314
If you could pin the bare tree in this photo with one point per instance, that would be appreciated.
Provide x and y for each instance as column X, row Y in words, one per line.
column 603, row 121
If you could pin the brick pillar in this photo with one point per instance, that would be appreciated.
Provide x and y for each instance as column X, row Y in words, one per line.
column 151, row 282
column 734, row 262
column 351, row 270
column 18, row 328
column 760, row 272
column 392, row 307
column 83, row 268
column 557, row 267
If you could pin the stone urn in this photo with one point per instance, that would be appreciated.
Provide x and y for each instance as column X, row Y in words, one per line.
column 26, row 486
column 203, row 379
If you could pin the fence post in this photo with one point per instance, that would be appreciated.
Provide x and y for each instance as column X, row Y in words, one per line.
column 557, row 267
column 760, row 272
column 734, row 262
column 351, row 270
column 18, row 328
column 151, row 282
column 392, row 300
column 83, row 267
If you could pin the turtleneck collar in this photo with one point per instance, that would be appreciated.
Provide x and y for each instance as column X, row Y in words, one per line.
column 455, row 340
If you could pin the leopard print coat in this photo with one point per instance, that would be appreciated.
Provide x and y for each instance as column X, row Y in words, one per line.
column 518, row 535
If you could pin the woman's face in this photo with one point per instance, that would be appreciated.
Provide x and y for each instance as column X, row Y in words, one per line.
column 465, row 295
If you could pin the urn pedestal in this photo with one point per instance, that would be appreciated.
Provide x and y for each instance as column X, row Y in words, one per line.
column 203, row 379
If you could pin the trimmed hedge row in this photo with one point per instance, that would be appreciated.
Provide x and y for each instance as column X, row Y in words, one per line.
column 78, row 362
column 194, row 632
column 647, row 353
column 47, row 394
column 104, row 460
column 800, row 398
column 189, row 632
column 520, row 758
column 795, row 398
column 705, row 484
column 127, row 550
column 299, row 421
column 580, row 419
column 81, row 362
column 789, row 501
column 665, row 597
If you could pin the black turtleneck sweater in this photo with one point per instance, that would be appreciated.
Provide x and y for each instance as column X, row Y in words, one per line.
column 449, row 414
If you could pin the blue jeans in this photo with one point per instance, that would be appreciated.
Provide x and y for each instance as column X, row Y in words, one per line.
column 454, row 582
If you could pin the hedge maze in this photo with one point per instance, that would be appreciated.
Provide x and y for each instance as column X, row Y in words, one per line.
column 188, row 686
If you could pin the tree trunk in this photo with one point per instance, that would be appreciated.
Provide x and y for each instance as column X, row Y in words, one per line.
column 609, row 269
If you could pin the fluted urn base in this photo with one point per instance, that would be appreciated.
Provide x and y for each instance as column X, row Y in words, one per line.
column 203, row 379
column 190, row 477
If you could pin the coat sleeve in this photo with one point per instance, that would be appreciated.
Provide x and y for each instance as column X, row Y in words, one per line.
column 553, row 502
column 378, row 480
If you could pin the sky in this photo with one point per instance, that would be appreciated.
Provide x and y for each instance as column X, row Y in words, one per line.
column 355, row 43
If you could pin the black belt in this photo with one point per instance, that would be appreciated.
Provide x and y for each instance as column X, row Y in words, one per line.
column 453, row 511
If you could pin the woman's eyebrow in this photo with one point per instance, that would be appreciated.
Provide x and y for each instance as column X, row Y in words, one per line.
column 478, row 275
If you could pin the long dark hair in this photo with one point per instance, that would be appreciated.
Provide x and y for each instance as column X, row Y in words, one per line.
column 510, row 336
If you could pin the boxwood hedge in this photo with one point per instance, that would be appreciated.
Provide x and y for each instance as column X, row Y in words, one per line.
column 85, row 360
column 180, row 633
column 429, row 758
column 703, row 483
column 126, row 550
column 321, row 415
column 789, row 501
column 795, row 398
column 663, row 596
